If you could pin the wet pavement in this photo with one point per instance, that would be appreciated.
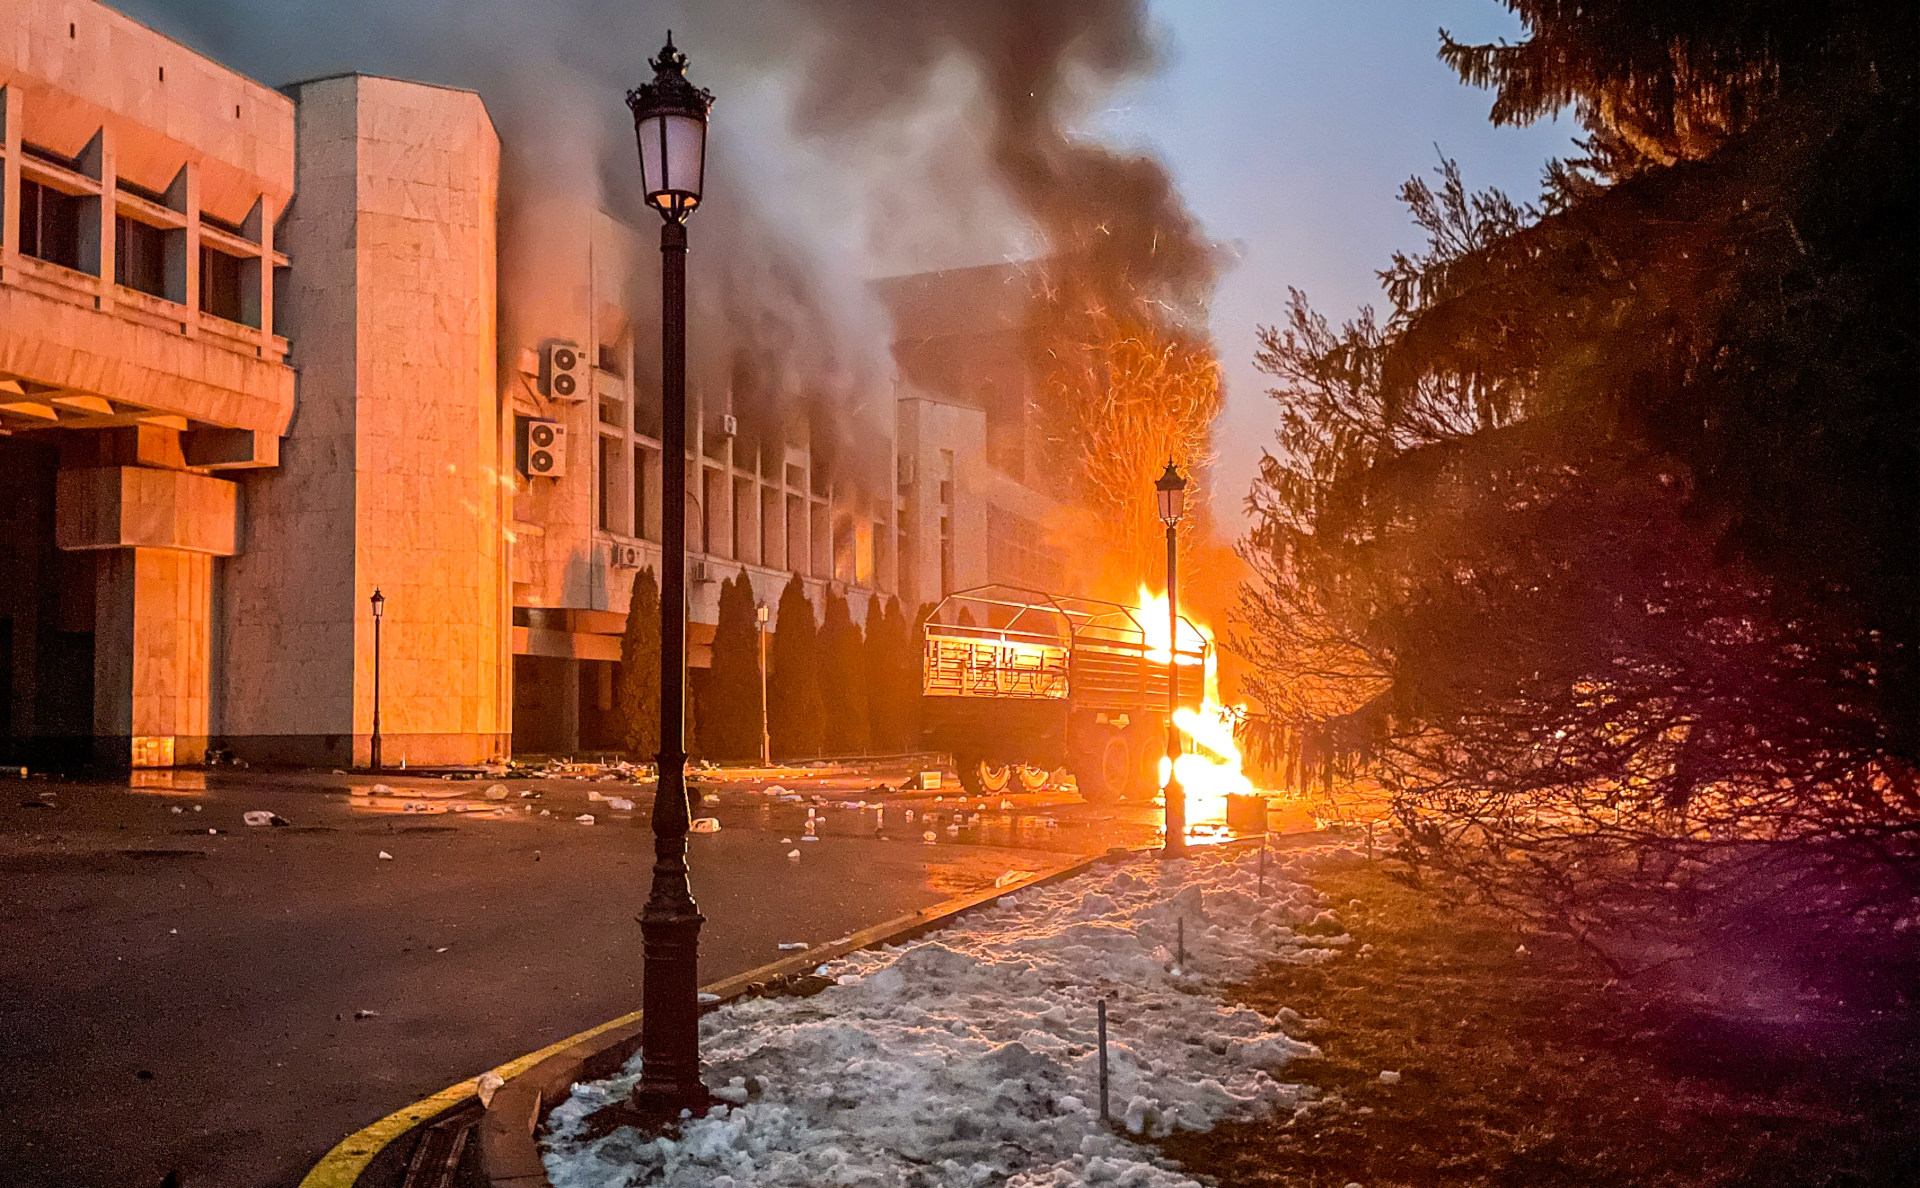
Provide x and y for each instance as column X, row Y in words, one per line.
column 184, row 992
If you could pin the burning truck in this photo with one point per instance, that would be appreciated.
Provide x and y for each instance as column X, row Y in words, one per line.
column 1019, row 684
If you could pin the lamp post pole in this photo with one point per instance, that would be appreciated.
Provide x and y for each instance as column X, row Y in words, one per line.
column 379, row 604
column 670, row 116
column 766, row 737
column 1171, row 491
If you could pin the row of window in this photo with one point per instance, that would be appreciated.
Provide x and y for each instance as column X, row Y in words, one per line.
column 57, row 227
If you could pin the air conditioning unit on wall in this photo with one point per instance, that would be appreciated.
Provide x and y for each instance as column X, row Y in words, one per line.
column 563, row 371
column 543, row 448
column 624, row 556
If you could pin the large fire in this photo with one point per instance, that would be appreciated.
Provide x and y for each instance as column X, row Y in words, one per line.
column 1209, row 766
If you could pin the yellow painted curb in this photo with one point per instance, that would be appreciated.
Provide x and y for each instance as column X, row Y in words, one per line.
column 341, row 1167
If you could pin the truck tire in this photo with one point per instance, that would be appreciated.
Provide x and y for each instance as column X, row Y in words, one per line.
column 967, row 767
column 1104, row 769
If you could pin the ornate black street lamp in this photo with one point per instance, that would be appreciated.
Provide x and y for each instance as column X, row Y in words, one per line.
column 670, row 121
column 1171, row 492
column 379, row 604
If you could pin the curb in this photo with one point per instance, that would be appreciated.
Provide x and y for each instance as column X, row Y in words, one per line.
column 509, row 1156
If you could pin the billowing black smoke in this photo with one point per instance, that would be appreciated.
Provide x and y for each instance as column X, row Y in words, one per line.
column 851, row 138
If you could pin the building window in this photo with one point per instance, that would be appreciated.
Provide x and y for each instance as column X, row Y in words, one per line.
column 604, row 516
column 610, row 360
column 139, row 256
column 642, row 521
column 946, row 555
column 50, row 224
column 220, row 285
column 1017, row 552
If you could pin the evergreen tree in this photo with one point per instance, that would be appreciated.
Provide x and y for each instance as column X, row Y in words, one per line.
column 881, row 659
column 730, row 718
column 1599, row 547
column 843, row 685
column 908, row 676
column 636, row 692
column 793, row 690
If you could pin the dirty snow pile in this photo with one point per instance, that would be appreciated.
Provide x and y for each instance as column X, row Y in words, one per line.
column 970, row 1058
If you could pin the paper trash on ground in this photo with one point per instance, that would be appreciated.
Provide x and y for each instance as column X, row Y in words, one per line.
column 968, row 1058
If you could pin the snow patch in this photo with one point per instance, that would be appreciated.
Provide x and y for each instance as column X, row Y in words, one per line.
column 970, row 1058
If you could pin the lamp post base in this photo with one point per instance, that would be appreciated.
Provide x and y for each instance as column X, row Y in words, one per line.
column 670, row 1081
column 1175, row 844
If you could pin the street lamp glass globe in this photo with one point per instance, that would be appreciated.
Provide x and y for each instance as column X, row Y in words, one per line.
column 670, row 122
column 379, row 603
column 1172, row 492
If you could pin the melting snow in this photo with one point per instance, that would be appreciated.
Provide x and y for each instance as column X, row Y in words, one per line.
column 970, row 1058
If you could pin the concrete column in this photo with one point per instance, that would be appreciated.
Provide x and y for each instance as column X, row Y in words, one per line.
column 261, row 218
column 152, row 617
column 190, row 177
column 11, row 102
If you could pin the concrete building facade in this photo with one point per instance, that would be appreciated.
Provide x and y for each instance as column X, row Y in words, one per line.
column 251, row 371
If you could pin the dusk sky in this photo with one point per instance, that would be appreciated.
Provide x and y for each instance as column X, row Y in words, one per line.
column 1290, row 128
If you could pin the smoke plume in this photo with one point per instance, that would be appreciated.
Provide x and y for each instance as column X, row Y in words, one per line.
column 851, row 139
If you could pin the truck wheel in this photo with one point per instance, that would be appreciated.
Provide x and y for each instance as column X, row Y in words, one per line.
column 994, row 779
column 1032, row 779
column 968, row 768
column 1104, row 770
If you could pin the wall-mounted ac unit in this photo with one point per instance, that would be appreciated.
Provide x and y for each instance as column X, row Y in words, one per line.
column 563, row 371
column 543, row 448
column 697, row 572
column 729, row 424
column 624, row 556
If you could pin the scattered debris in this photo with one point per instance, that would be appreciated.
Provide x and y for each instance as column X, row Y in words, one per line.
column 584, row 819
column 385, row 857
column 793, row 855
column 174, row 808
column 620, row 804
column 809, row 837
column 366, row 1014
column 788, row 945
column 488, row 1085
column 1388, row 1077
column 930, row 837
column 496, row 792
column 704, row 997
column 262, row 817
column 705, row 825
column 1012, row 877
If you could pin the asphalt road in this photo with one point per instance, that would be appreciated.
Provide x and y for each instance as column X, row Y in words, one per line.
column 174, row 999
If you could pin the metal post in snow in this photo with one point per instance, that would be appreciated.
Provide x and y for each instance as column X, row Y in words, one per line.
column 1105, row 1116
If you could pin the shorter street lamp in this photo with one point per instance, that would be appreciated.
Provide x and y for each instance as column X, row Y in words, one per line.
column 761, row 614
column 379, row 604
column 1171, row 493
